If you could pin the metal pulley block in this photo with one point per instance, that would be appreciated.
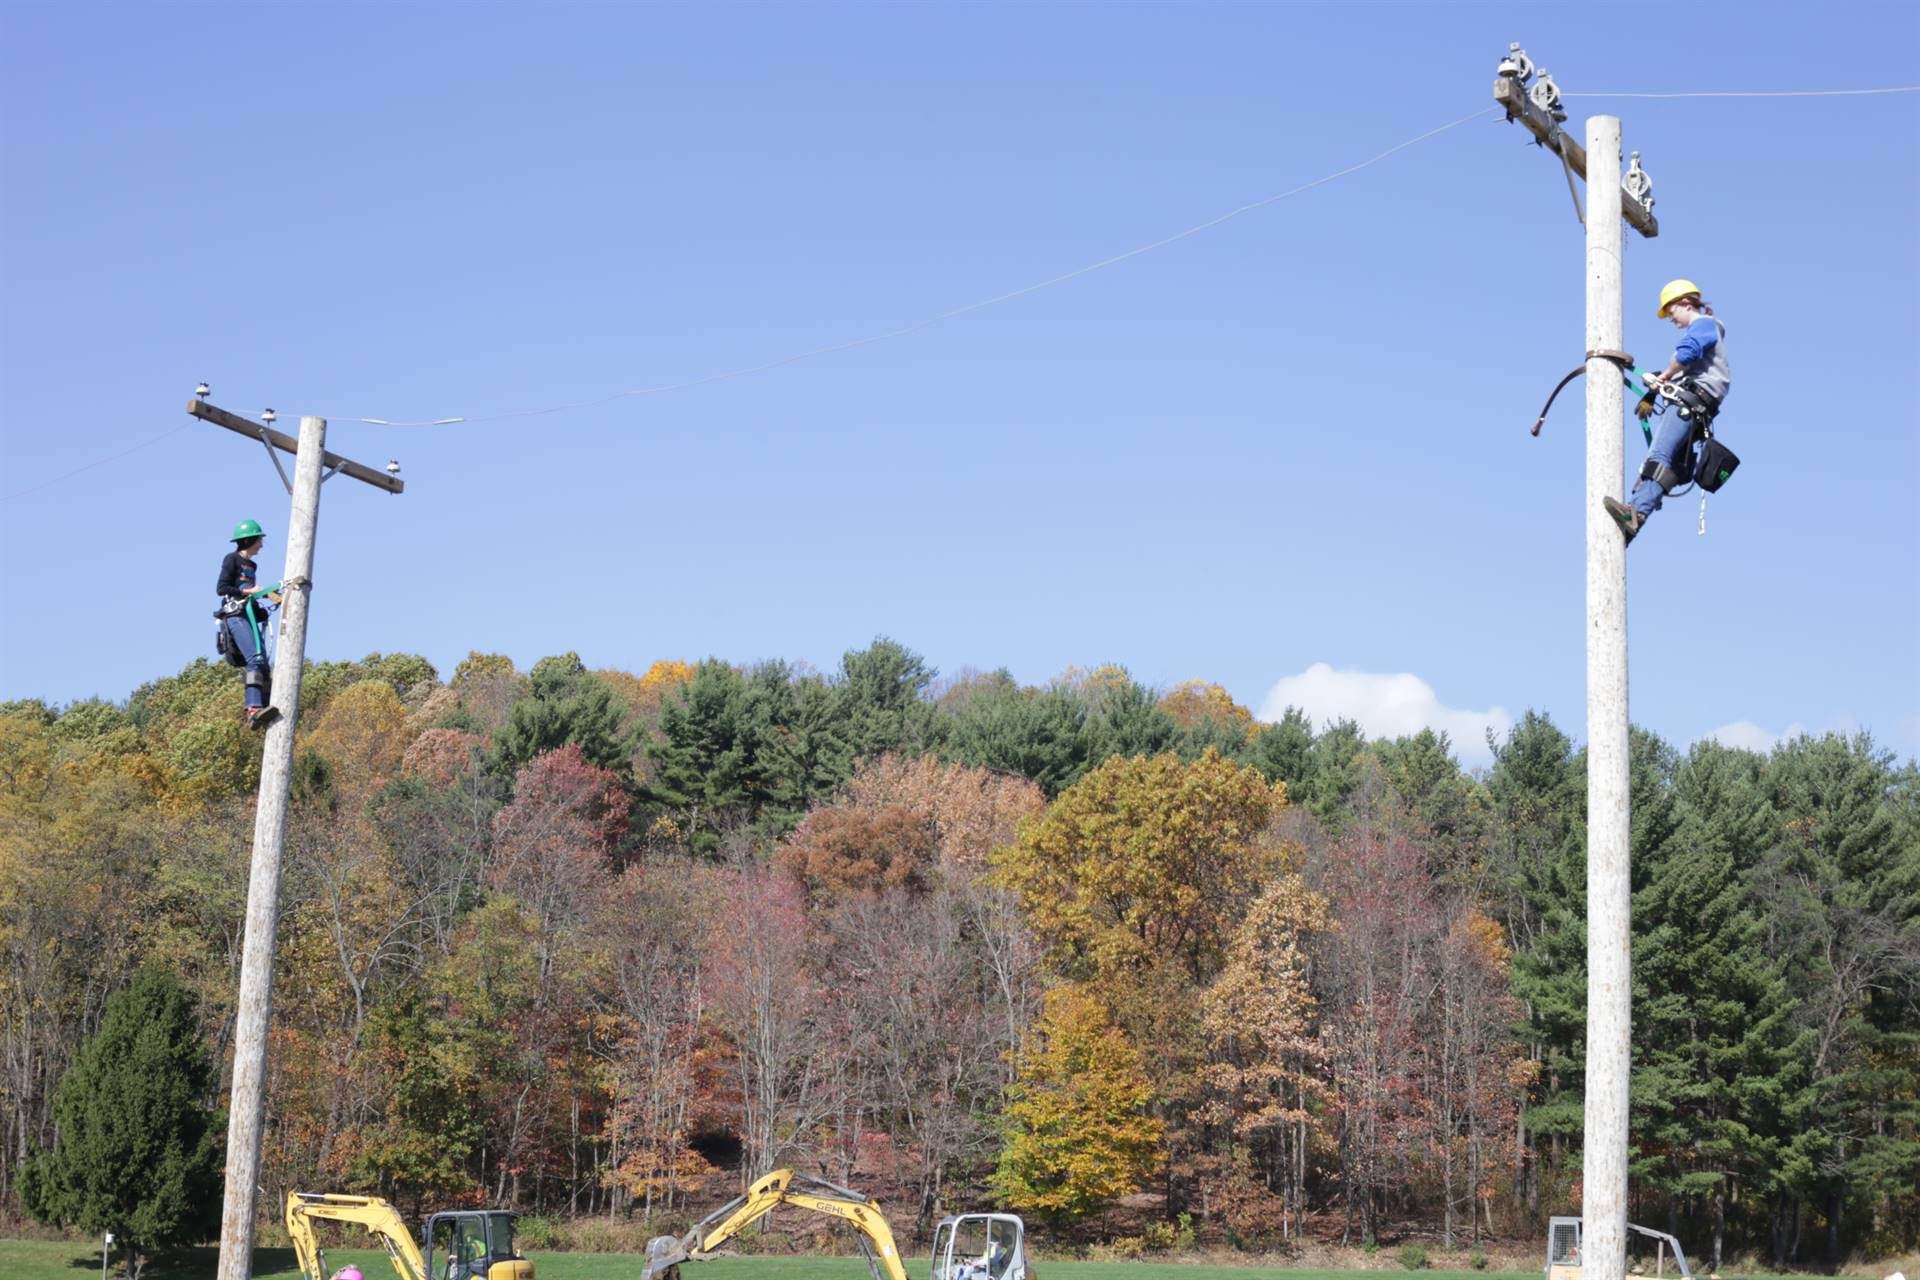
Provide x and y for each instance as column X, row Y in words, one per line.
column 1516, row 65
column 1545, row 95
column 1638, row 184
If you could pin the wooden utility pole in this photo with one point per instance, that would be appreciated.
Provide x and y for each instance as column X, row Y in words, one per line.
column 1603, row 1247
column 254, row 1004
column 1609, row 818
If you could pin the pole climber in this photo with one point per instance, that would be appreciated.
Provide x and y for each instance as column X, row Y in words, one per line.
column 1694, row 385
column 241, row 640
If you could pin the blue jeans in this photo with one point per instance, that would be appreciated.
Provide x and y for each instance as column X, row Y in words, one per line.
column 1671, row 443
column 242, row 632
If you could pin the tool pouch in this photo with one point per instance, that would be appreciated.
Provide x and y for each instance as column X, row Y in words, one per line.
column 1715, row 464
column 224, row 646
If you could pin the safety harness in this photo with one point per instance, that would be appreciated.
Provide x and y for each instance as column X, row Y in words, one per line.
column 1715, row 462
column 247, row 606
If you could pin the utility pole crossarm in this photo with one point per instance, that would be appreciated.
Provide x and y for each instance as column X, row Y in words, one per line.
column 287, row 444
column 1513, row 96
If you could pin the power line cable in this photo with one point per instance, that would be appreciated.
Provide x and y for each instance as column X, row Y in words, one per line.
column 904, row 330
column 97, row 462
column 1756, row 93
column 971, row 307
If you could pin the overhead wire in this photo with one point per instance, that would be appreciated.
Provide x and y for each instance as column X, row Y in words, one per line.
column 950, row 314
column 1009, row 296
column 1755, row 93
column 97, row 462
column 1013, row 294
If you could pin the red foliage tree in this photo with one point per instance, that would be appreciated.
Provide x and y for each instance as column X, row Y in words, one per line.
column 552, row 846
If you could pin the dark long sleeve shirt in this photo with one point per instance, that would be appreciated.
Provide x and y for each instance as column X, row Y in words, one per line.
column 236, row 577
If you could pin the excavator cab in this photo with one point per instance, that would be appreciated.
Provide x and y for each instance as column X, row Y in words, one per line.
column 471, row 1245
column 980, row 1246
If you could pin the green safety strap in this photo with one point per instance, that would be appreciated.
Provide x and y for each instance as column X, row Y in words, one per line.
column 253, row 616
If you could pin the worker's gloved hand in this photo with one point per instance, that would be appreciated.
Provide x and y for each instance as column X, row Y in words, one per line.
column 1644, row 409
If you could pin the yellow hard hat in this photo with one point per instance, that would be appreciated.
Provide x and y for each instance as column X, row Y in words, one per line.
column 1675, row 290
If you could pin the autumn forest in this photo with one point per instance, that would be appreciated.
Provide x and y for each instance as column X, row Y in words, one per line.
column 598, row 945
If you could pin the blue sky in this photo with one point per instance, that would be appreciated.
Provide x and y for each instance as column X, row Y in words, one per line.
column 1287, row 453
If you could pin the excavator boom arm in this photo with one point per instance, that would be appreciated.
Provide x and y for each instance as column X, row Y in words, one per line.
column 782, row 1186
column 381, row 1220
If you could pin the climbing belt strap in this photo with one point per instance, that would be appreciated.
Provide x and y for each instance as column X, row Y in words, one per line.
column 1619, row 359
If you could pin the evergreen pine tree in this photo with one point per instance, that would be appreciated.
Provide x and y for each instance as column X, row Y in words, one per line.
column 1125, row 719
column 1040, row 734
column 137, row 1151
column 705, row 769
column 1841, row 893
column 1281, row 752
column 880, row 699
column 1537, row 878
column 1718, row 1084
column 567, row 704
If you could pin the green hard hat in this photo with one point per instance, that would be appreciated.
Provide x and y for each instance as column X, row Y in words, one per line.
column 247, row 531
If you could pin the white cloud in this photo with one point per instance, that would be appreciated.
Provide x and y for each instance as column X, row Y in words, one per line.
column 1748, row 736
column 1385, row 705
column 1745, row 735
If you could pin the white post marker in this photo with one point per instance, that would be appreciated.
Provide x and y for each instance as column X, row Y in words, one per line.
column 1609, row 817
column 247, row 1108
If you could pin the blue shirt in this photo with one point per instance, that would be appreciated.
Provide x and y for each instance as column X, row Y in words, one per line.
column 1702, row 356
column 1700, row 336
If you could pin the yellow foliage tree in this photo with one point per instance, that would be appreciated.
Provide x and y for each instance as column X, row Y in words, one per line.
column 1079, row 1132
column 1135, row 880
column 1198, row 700
column 667, row 673
column 362, row 735
column 1145, row 859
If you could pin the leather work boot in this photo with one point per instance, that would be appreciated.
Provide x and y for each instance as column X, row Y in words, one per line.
column 1625, row 516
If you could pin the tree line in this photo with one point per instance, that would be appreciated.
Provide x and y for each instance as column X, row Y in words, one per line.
column 591, row 943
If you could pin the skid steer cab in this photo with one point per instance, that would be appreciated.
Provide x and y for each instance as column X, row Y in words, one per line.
column 981, row 1246
column 473, row 1246
column 1565, row 1259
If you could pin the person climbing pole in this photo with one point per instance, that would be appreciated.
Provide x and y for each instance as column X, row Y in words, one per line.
column 243, row 608
column 1694, row 385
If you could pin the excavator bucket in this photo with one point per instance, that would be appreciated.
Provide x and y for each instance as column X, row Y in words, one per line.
column 664, row 1256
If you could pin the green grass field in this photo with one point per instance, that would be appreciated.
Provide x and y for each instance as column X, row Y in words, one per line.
column 55, row 1260
column 44, row 1260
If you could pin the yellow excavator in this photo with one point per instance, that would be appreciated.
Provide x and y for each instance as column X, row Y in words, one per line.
column 461, row 1245
column 782, row 1186
column 971, row 1246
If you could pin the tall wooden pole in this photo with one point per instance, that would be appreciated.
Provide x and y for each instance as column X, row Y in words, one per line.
column 246, row 1112
column 1609, row 819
